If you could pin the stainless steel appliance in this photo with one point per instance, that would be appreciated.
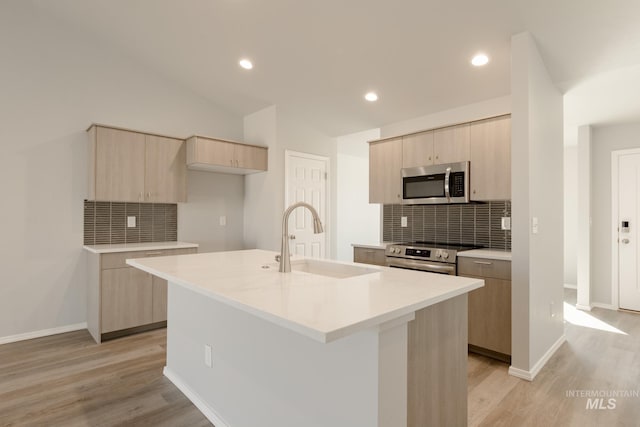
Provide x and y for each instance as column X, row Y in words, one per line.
column 436, row 184
column 425, row 256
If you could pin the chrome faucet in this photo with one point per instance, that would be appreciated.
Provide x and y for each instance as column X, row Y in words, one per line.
column 285, row 262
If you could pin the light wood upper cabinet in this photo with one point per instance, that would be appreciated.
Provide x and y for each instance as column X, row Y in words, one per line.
column 490, row 155
column 118, row 165
column 451, row 144
column 417, row 150
column 225, row 156
column 165, row 171
column 129, row 166
column 385, row 166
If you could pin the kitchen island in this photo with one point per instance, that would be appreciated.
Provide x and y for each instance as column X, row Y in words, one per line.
column 329, row 344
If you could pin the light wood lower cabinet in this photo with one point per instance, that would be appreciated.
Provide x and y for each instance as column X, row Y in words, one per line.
column 126, row 296
column 489, row 307
column 369, row 256
column 122, row 299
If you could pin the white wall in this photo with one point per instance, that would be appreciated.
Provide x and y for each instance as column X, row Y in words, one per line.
column 54, row 83
column 357, row 220
column 537, row 176
column 605, row 139
column 210, row 196
column 264, row 201
column 570, row 215
column 466, row 113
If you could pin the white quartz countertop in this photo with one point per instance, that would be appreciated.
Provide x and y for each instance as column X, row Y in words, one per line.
column 321, row 307
column 487, row 253
column 132, row 247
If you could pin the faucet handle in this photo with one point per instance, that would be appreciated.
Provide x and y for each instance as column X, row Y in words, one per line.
column 278, row 258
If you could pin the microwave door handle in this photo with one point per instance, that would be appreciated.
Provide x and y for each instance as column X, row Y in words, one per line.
column 446, row 184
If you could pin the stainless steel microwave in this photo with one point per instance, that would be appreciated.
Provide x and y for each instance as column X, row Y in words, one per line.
column 436, row 184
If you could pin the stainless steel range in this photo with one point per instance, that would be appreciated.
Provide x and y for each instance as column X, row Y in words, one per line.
column 425, row 256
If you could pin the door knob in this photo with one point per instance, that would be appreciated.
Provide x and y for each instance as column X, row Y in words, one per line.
column 292, row 237
column 625, row 241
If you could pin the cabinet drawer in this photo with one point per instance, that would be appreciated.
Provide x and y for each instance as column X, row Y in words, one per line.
column 497, row 269
column 369, row 256
column 118, row 259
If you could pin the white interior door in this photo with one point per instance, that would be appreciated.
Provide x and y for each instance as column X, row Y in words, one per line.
column 628, row 210
column 307, row 182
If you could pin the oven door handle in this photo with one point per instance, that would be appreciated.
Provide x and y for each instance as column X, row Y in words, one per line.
column 448, row 269
column 447, row 193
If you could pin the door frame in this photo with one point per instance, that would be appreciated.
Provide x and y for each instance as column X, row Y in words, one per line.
column 615, row 271
column 327, row 161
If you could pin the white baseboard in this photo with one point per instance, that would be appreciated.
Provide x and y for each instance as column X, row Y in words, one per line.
column 570, row 286
column 43, row 333
column 605, row 306
column 195, row 398
column 530, row 375
column 583, row 307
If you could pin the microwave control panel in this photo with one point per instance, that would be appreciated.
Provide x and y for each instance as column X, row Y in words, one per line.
column 456, row 180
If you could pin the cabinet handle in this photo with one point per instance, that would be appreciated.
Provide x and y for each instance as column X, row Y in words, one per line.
column 140, row 196
column 436, row 157
column 482, row 262
column 237, row 164
column 153, row 253
column 231, row 162
column 369, row 252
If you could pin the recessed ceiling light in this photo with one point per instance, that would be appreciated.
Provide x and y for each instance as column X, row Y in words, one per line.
column 246, row 64
column 371, row 97
column 480, row 59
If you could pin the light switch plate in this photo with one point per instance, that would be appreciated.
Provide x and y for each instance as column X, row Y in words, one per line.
column 403, row 221
column 534, row 225
column 223, row 221
column 131, row 221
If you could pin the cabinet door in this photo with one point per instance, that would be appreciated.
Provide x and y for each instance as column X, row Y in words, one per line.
column 210, row 152
column 249, row 157
column 369, row 256
column 451, row 145
column 119, row 165
column 126, row 295
column 159, row 291
column 417, row 149
column 490, row 155
column 385, row 171
column 166, row 170
column 490, row 315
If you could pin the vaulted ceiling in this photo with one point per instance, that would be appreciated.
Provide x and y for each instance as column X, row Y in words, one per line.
column 318, row 58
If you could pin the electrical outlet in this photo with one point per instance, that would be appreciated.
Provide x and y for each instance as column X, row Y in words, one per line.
column 551, row 310
column 534, row 225
column 506, row 223
column 131, row 221
column 403, row 221
column 223, row 221
column 208, row 359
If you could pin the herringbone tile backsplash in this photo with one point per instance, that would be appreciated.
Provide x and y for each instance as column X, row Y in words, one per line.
column 106, row 222
column 471, row 224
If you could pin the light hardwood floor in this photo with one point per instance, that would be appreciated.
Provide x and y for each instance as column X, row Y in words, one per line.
column 68, row 380
column 591, row 359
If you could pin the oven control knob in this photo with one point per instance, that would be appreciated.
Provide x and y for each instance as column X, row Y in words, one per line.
column 438, row 254
column 444, row 254
column 397, row 250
